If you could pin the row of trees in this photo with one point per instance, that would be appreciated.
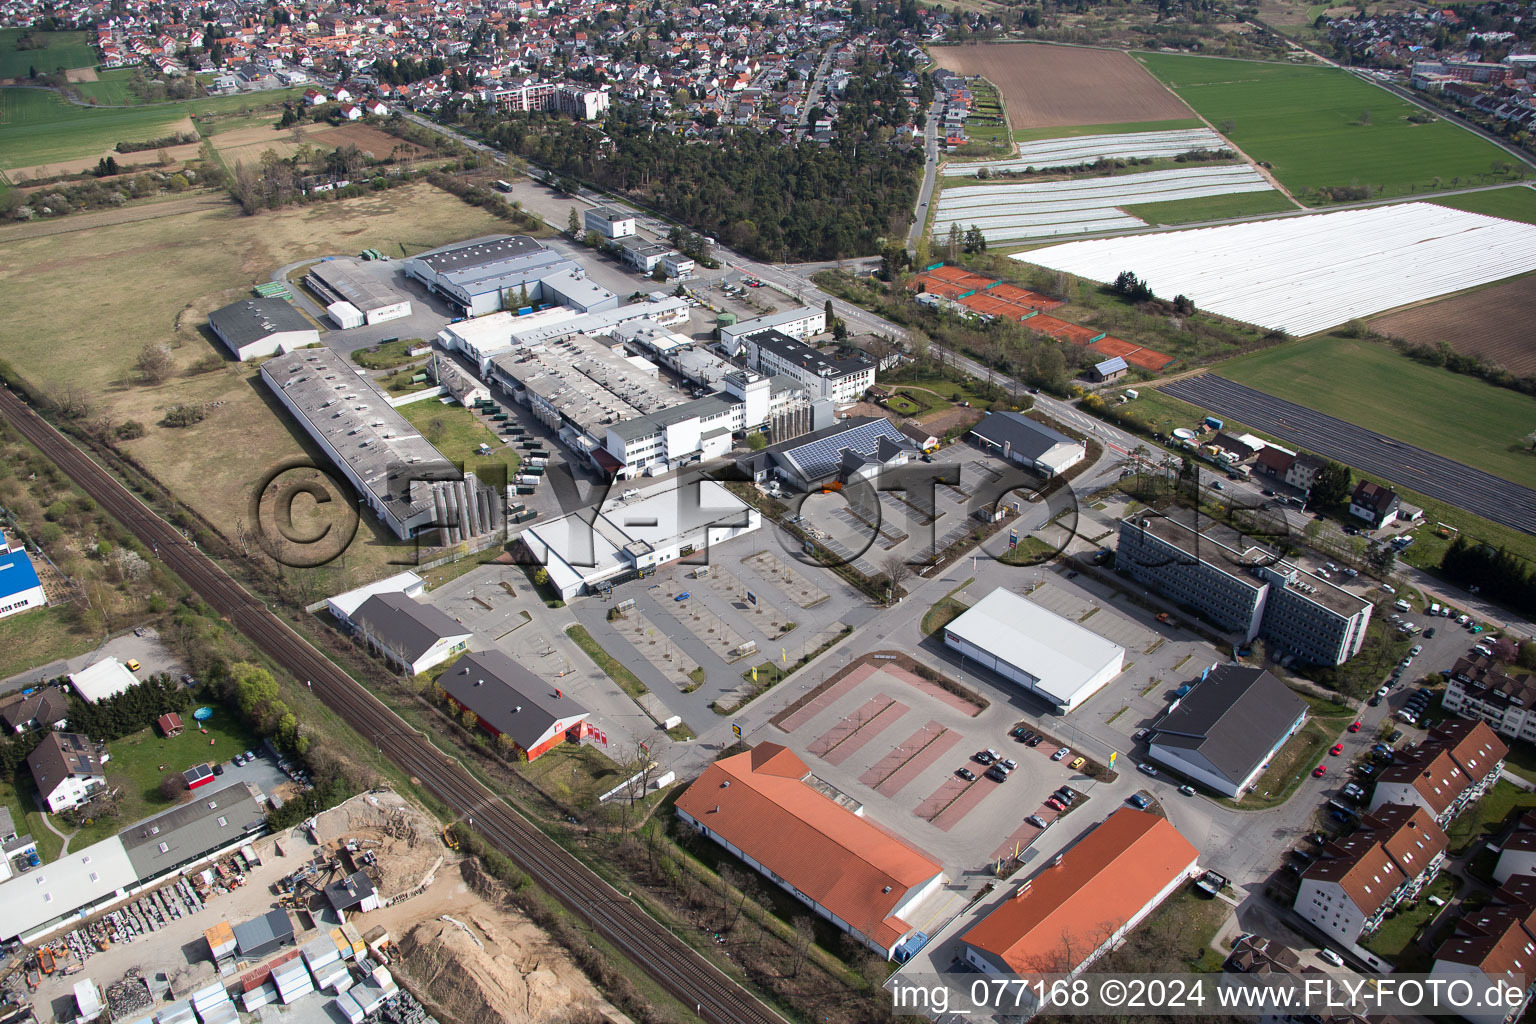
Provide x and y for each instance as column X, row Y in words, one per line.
column 1502, row 576
column 123, row 714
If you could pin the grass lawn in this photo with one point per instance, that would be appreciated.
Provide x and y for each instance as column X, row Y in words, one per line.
column 1517, row 202
column 136, row 762
column 458, row 434
column 1486, row 817
column 28, row 819
column 1162, row 413
column 1078, row 131
column 203, row 257
column 386, row 356
column 943, row 612
column 1307, row 122
column 62, row 50
column 1392, row 939
column 110, row 87
column 1289, row 768
column 572, row 774
column 38, row 637
column 627, row 680
column 1186, row 211
column 1407, row 400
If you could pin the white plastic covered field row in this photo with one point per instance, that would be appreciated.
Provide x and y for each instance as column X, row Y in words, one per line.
column 1050, row 153
column 1303, row 275
column 1048, row 209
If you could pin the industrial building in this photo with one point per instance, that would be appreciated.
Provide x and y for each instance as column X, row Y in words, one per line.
column 843, row 381
column 609, row 222
column 857, row 448
column 1079, row 905
column 631, row 536
column 766, row 809
column 1016, row 438
column 1244, row 588
column 407, row 482
column 20, row 589
column 343, row 605
column 353, row 296
column 645, row 257
column 253, row 328
column 508, row 700
column 483, row 338
column 1358, row 879
column 412, row 637
column 1050, row 656
column 802, row 322
column 498, row 272
column 1226, row 727
column 106, row 678
column 67, row 768
column 211, row 823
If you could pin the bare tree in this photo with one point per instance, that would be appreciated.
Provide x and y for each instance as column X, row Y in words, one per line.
column 155, row 364
column 897, row 571
column 800, row 942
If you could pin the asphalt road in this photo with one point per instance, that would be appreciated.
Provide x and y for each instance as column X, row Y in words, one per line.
column 1435, row 475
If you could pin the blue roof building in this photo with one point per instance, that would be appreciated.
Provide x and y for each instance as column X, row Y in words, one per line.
column 20, row 589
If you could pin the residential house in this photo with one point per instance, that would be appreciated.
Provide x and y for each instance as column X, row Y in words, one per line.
column 1450, row 770
column 1374, row 503
column 44, row 708
column 1482, row 688
column 1495, row 944
column 67, row 769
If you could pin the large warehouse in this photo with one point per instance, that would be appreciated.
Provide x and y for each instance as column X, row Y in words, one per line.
column 252, row 328
column 1225, row 730
column 1050, row 656
column 407, row 482
column 488, row 274
column 352, row 291
column 1017, row 438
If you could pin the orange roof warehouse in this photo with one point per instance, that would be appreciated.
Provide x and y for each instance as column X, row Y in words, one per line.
column 766, row 808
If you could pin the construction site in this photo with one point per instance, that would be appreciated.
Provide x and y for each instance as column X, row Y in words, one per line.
column 367, row 912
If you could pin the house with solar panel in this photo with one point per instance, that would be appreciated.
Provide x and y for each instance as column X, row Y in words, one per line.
column 854, row 449
column 20, row 589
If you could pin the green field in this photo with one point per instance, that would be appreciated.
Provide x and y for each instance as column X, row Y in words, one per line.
column 63, row 50
column 1457, row 416
column 110, row 88
column 1517, row 202
column 39, row 636
column 1306, row 122
column 1189, row 211
column 1077, row 131
column 40, row 127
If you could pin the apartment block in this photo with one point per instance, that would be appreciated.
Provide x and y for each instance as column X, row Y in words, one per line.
column 1482, row 688
column 1450, row 770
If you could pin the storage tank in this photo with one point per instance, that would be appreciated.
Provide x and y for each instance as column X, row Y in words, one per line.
column 726, row 320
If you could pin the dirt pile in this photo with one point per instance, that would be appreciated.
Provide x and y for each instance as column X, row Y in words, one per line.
column 484, row 968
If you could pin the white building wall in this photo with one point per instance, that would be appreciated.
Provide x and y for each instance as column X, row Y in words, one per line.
column 283, row 341
column 1327, row 907
column 1514, row 862
column 69, row 792
column 393, row 311
column 1480, row 982
column 23, row 601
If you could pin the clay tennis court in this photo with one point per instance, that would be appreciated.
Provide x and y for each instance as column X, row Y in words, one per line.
column 1489, row 323
column 1045, row 86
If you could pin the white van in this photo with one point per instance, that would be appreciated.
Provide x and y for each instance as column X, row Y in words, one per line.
column 1400, row 605
column 1434, row 609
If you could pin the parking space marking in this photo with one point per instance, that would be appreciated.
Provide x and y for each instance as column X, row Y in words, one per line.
column 933, row 690
column 845, row 739
column 782, row 576
column 826, row 698
column 945, row 795
column 907, row 761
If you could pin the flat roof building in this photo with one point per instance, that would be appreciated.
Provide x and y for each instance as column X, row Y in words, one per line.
column 212, row 822
column 1077, row 907
column 406, row 481
column 1225, row 730
column 866, row 881
column 252, row 328
column 107, row 678
column 1050, row 656
column 854, row 448
column 802, row 322
column 509, row 700
column 843, row 381
column 349, row 280
column 343, row 605
column 65, row 890
column 484, row 275
column 610, row 222
column 20, row 589
column 1015, row 437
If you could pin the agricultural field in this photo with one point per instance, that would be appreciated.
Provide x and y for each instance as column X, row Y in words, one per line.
column 1322, row 128
column 1012, row 212
column 1406, row 400
column 63, row 50
column 202, row 258
column 1045, row 86
column 1307, row 274
column 1195, row 211
column 1490, row 323
column 249, row 143
column 1517, row 202
column 1073, row 152
column 110, row 88
column 1073, row 131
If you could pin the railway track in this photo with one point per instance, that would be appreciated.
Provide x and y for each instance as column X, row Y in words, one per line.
column 672, row 963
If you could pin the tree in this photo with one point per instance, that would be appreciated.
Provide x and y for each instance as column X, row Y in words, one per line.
column 1331, row 486
column 975, row 241
column 831, row 317
column 540, row 576
column 172, row 785
column 1227, row 127
column 155, row 363
column 804, row 933
column 1382, row 558
column 573, row 223
column 954, row 242
column 896, row 571
column 1365, row 117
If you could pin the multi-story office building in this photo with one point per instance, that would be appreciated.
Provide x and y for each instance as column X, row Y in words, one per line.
column 843, row 381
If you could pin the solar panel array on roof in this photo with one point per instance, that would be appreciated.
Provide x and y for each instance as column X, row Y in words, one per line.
column 823, row 456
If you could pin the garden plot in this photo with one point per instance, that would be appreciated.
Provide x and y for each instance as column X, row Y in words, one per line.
column 789, row 582
column 1047, row 209
column 1050, row 153
column 1306, row 274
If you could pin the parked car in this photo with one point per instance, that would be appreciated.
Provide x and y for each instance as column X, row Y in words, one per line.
column 1066, row 796
column 1037, row 822
column 1033, row 741
column 1008, row 764
column 1061, row 753
column 1137, row 800
column 1319, row 771
column 1020, row 732
column 1374, row 701
column 966, row 774
column 1365, row 771
column 1329, row 955
column 1417, row 650
column 1141, row 734
column 1054, row 804
column 1187, row 790
column 1147, row 769
column 1338, row 748
column 1316, row 838
column 1354, row 726
column 996, row 774
column 1429, row 634
column 1077, row 764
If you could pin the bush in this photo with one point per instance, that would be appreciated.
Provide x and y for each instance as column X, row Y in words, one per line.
column 172, row 786
column 129, row 430
column 183, row 416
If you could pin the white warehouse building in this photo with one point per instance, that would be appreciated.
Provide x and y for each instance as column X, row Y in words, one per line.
column 800, row 324
column 1050, row 656
column 252, row 328
column 347, row 284
column 609, row 222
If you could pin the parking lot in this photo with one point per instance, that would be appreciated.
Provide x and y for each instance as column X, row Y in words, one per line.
column 141, row 645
